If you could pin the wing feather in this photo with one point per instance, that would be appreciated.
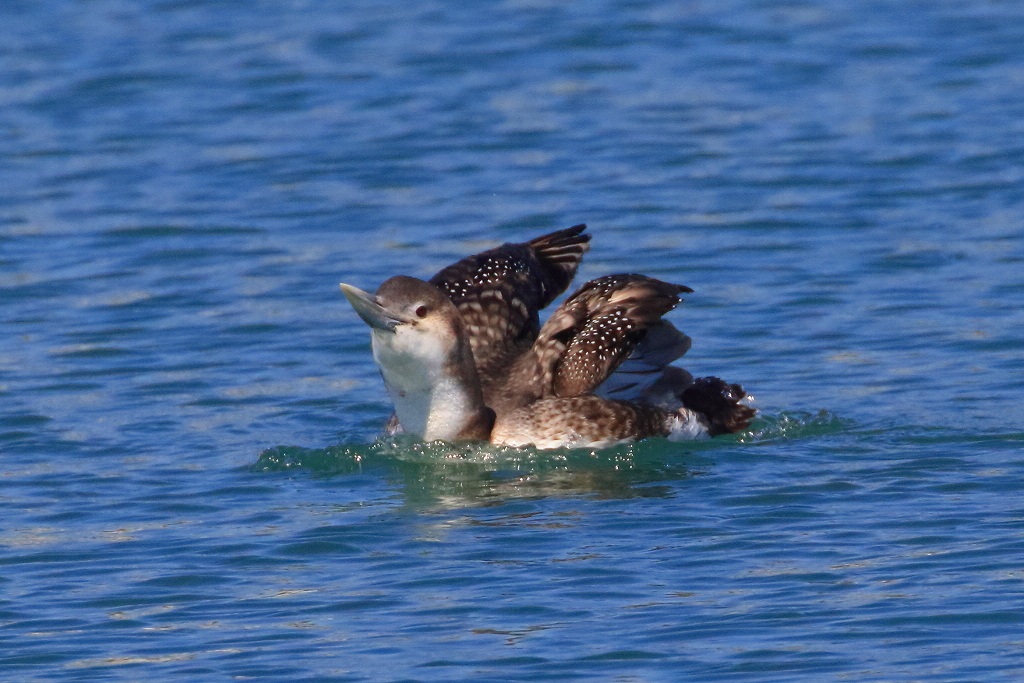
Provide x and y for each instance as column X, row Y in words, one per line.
column 500, row 292
column 599, row 327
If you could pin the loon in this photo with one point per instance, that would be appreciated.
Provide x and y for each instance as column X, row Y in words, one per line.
column 464, row 357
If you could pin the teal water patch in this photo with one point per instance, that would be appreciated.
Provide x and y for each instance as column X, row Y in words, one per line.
column 482, row 472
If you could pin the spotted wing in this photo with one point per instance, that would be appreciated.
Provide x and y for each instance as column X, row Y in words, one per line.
column 499, row 292
column 646, row 376
column 600, row 326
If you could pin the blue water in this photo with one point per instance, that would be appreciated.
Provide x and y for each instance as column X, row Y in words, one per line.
column 191, row 486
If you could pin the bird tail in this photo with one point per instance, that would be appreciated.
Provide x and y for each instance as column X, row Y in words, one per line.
column 720, row 403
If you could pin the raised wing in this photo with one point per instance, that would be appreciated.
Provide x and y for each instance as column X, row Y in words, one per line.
column 499, row 292
column 600, row 326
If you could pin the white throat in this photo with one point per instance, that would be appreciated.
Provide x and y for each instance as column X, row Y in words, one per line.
column 430, row 402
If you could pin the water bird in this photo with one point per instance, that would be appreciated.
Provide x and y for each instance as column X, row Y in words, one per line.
column 464, row 357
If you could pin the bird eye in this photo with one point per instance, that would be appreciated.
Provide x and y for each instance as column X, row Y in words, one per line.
column 421, row 312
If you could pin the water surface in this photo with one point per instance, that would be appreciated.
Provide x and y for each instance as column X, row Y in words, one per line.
column 192, row 485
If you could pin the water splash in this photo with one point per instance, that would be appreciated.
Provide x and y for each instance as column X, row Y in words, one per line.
column 794, row 425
